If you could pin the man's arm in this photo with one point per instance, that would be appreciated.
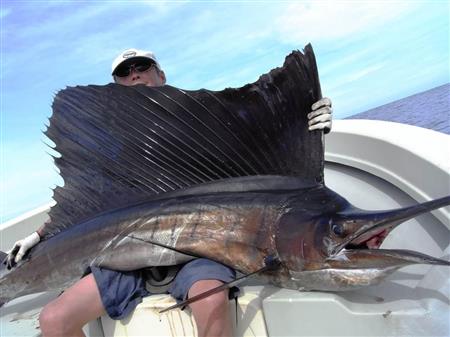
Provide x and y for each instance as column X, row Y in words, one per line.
column 320, row 116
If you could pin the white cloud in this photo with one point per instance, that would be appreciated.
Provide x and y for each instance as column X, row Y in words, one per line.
column 163, row 7
column 365, row 55
column 324, row 20
column 354, row 76
column 50, row 27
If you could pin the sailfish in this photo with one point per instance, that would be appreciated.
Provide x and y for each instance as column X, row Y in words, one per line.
column 158, row 176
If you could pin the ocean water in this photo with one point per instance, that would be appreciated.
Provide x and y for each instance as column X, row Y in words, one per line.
column 429, row 109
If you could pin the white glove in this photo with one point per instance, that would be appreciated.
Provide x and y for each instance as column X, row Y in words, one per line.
column 320, row 116
column 21, row 247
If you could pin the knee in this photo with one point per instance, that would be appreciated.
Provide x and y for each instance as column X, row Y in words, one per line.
column 217, row 300
column 52, row 320
column 212, row 315
column 213, row 307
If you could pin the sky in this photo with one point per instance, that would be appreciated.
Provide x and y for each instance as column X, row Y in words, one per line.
column 368, row 53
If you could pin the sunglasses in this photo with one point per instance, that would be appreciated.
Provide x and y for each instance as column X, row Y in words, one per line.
column 138, row 66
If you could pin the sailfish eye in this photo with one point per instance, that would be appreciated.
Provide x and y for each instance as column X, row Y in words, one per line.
column 338, row 229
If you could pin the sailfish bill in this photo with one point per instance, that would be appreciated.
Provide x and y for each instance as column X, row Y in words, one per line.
column 358, row 226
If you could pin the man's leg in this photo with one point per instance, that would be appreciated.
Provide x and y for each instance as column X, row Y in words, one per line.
column 212, row 314
column 67, row 314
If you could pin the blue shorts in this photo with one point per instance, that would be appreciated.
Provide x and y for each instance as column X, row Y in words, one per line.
column 121, row 292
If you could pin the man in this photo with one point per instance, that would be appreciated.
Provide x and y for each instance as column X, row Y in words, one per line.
column 117, row 293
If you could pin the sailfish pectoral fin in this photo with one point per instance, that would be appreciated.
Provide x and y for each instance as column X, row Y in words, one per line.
column 271, row 263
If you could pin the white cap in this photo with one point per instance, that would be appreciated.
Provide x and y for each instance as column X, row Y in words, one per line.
column 133, row 53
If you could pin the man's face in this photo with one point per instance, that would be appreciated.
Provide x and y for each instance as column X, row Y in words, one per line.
column 139, row 71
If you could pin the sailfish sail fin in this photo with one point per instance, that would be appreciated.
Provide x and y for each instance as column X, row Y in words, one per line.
column 120, row 145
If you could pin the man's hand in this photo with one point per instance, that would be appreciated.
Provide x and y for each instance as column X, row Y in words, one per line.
column 20, row 248
column 320, row 116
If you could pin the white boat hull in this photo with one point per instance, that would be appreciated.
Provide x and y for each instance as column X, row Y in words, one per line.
column 399, row 167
